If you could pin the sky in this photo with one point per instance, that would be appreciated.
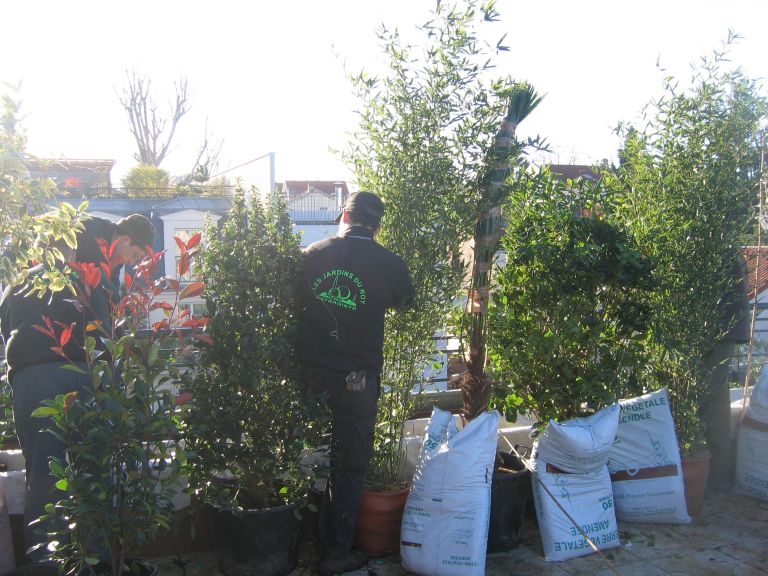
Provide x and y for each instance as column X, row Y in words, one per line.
column 271, row 76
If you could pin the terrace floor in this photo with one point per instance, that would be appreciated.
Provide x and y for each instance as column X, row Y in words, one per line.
column 729, row 538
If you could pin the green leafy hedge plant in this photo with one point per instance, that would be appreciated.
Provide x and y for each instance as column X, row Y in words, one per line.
column 568, row 315
column 248, row 422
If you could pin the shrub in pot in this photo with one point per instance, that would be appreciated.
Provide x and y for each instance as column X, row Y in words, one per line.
column 124, row 459
column 569, row 314
column 248, row 422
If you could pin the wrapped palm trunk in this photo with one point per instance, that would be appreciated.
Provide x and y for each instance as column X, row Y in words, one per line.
column 475, row 386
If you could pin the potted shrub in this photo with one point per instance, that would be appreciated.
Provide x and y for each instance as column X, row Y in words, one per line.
column 247, row 423
column 123, row 453
column 689, row 179
column 568, row 316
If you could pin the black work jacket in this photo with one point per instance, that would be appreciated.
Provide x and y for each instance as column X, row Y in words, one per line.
column 26, row 346
column 349, row 282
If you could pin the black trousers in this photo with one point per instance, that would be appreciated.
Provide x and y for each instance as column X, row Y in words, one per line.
column 30, row 387
column 353, row 420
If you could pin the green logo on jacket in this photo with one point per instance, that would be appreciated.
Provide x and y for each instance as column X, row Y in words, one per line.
column 341, row 288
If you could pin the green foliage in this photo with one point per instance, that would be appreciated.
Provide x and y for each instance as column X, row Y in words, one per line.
column 29, row 230
column 689, row 187
column 124, row 458
column 422, row 145
column 248, row 423
column 146, row 177
column 568, row 314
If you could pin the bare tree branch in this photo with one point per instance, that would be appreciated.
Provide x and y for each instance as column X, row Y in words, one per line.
column 146, row 125
column 207, row 160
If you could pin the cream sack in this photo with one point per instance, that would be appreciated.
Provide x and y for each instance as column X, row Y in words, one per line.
column 645, row 463
column 580, row 445
column 752, row 445
column 445, row 522
column 587, row 499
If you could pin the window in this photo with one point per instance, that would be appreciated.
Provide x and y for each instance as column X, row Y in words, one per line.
column 196, row 309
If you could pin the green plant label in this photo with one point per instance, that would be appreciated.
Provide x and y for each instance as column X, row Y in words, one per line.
column 341, row 288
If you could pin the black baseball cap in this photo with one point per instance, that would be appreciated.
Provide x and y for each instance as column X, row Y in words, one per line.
column 138, row 228
column 366, row 203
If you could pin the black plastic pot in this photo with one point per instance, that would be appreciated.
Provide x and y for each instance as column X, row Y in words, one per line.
column 34, row 570
column 136, row 567
column 510, row 492
column 258, row 542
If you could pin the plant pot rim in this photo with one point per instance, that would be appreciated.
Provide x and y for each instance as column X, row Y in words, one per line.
column 387, row 491
column 697, row 455
column 246, row 511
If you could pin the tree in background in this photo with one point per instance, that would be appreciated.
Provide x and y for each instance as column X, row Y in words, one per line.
column 152, row 131
column 146, row 177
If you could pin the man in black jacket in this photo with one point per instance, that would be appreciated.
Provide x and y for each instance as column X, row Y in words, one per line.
column 350, row 281
column 35, row 370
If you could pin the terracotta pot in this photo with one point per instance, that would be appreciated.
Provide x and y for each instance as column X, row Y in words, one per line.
column 378, row 521
column 695, row 474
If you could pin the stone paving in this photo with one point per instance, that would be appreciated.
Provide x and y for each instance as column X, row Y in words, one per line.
column 729, row 538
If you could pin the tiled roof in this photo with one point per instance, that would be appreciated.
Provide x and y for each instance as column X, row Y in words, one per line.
column 574, row 171
column 761, row 278
column 295, row 188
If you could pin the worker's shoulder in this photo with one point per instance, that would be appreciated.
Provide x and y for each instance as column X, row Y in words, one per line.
column 320, row 245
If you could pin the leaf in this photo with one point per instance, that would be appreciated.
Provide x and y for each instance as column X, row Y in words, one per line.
column 181, row 245
column 62, row 484
column 56, row 468
column 44, row 331
column 194, row 241
column 66, row 335
column 44, row 411
column 184, row 263
column 192, row 289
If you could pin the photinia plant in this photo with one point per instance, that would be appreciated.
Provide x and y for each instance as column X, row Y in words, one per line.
column 124, row 455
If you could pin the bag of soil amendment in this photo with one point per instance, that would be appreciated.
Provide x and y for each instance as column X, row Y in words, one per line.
column 644, row 463
column 752, row 444
column 580, row 445
column 445, row 522
column 573, row 497
column 587, row 509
